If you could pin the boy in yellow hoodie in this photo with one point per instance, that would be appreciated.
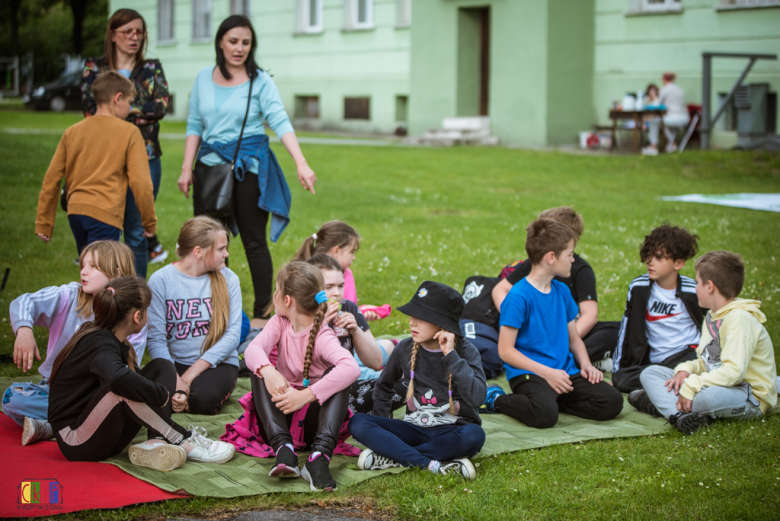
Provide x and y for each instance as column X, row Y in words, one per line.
column 734, row 374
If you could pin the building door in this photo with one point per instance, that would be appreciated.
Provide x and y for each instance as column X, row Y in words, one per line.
column 473, row 61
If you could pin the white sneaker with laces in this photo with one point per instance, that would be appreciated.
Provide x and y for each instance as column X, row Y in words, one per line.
column 460, row 466
column 157, row 455
column 35, row 430
column 370, row 460
column 206, row 450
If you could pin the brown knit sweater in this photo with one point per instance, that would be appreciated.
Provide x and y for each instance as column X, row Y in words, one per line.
column 98, row 157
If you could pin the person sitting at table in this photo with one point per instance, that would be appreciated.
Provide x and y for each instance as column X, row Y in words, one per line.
column 651, row 96
column 673, row 98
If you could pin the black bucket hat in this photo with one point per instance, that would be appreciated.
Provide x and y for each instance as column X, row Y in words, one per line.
column 438, row 304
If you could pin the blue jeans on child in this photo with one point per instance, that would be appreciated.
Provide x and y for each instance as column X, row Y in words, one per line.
column 414, row 446
column 26, row 399
column 134, row 229
column 87, row 230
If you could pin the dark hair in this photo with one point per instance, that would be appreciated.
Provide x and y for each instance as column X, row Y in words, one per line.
column 671, row 241
column 108, row 84
column 118, row 19
column 111, row 305
column 324, row 262
column 330, row 235
column 652, row 86
column 547, row 235
column 231, row 22
column 724, row 269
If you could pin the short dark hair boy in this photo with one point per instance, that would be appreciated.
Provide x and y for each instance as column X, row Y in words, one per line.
column 662, row 317
column 539, row 343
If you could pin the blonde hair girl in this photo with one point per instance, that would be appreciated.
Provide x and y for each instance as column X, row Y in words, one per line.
column 61, row 309
column 312, row 370
column 195, row 317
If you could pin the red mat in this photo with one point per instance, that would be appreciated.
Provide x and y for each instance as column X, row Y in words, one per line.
column 58, row 485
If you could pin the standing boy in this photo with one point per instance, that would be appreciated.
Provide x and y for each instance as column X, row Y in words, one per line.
column 539, row 343
column 99, row 157
column 662, row 318
column 734, row 373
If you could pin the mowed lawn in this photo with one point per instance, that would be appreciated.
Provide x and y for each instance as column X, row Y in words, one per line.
column 446, row 214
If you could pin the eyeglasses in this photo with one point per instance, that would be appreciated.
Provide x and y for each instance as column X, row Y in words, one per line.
column 129, row 33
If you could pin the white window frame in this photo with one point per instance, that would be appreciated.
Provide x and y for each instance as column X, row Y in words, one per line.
column 305, row 12
column 403, row 13
column 162, row 6
column 201, row 29
column 243, row 7
column 728, row 5
column 351, row 12
column 663, row 6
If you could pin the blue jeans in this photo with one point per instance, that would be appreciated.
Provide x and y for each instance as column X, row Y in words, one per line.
column 134, row 229
column 87, row 230
column 26, row 399
column 414, row 446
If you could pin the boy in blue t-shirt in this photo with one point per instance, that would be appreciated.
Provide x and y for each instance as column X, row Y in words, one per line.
column 539, row 343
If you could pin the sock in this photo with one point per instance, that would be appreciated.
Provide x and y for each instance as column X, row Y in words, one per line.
column 434, row 466
column 289, row 446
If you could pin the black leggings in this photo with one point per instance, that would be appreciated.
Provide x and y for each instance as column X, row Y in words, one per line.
column 361, row 396
column 536, row 404
column 252, row 223
column 211, row 388
column 320, row 429
column 110, row 422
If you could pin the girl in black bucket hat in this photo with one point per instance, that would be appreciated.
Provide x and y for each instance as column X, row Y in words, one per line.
column 441, row 428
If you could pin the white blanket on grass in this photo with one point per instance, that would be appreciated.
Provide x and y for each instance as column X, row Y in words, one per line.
column 766, row 202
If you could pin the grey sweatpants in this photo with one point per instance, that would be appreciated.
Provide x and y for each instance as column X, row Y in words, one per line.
column 715, row 402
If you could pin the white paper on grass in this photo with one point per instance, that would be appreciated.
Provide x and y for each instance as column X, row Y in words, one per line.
column 766, row 202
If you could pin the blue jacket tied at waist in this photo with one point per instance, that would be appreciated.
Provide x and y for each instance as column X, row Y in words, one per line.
column 275, row 196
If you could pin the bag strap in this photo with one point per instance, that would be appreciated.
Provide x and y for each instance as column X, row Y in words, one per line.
column 246, row 115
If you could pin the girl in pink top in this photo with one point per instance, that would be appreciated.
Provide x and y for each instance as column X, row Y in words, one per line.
column 341, row 241
column 312, row 370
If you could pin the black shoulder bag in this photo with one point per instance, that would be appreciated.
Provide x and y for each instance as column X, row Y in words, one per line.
column 212, row 186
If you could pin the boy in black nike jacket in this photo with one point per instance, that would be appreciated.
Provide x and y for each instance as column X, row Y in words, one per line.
column 662, row 321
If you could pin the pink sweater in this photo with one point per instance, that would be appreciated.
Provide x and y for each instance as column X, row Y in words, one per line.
column 292, row 352
column 350, row 290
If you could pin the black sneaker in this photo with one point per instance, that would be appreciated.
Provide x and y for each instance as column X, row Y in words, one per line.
column 286, row 464
column 642, row 403
column 317, row 472
column 691, row 422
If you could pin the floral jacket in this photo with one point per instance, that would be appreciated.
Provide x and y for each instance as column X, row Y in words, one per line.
column 151, row 101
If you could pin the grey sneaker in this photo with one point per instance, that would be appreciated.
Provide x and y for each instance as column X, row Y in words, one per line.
column 159, row 456
column 460, row 466
column 370, row 460
column 605, row 366
column 35, row 430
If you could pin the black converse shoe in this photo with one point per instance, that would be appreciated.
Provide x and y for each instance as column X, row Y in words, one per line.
column 642, row 403
column 460, row 466
column 691, row 422
column 317, row 472
column 370, row 460
column 286, row 464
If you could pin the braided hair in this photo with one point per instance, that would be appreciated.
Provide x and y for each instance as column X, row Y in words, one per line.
column 413, row 360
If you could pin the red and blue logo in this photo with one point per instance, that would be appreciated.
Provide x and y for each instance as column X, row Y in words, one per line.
column 40, row 494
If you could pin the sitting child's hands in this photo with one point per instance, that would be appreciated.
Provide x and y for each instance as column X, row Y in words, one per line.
column 347, row 321
column 592, row 374
column 371, row 315
column 333, row 310
column 293, row 399
column 446, row 341
column 276, row 384
column 25, row 349
column 179, row 402
column 684, row 404
column 559, row 380
column 676, row 382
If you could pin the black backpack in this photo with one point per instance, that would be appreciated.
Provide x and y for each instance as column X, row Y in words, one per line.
column 478, row 300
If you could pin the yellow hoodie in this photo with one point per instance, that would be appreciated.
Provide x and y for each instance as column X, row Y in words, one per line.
column 734, row 348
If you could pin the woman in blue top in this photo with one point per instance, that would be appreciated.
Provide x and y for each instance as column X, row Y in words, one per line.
column 217, row 106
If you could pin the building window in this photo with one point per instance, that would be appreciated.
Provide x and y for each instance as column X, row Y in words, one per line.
column 309, row 16
column 307, row 107
column 726, row 5
column 401, row 108
column 404, row 13
column 165, row 23
column 653, row 6
column 359, row 14
column 201, row 19
column 357, row 108
column 240, row 7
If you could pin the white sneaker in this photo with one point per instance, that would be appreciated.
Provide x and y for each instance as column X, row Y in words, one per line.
column 205, row 450
column 370, row 460
column 650, row 151
column 460, row 466
column 159, row 456
column 35, row 430
column 605, row 366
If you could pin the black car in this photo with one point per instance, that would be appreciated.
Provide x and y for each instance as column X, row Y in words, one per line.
column 62, row 94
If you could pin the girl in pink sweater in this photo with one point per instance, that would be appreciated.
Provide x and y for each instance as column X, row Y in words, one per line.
column 312, row 370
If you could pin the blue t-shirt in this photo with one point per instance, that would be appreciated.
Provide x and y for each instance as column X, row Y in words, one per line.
column 542, row 322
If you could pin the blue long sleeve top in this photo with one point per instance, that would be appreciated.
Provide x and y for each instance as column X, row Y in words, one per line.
column 216, row 112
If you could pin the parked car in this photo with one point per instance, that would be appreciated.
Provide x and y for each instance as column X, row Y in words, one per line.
column 62, row 94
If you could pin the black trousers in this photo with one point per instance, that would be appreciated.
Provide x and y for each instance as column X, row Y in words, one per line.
column 211, row 389
column 361, row 396
column 601, row 341
column 109, row 422
column 320, row 429
column 536, row 404
column 626, row 379
column 252, row 223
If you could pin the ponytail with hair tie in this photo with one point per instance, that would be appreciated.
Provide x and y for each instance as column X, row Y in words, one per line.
column 112, row 290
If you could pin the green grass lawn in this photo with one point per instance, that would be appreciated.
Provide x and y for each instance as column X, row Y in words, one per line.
column 446, row 214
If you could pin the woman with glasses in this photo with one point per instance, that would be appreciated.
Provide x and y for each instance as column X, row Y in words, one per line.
column 124, row 52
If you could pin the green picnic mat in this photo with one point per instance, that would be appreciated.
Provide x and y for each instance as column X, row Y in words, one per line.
column 245, row 475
